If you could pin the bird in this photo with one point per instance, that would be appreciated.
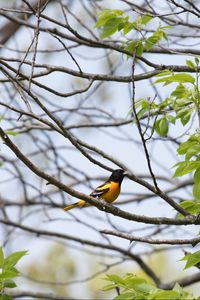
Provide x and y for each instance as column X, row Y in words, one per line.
column 108, row 191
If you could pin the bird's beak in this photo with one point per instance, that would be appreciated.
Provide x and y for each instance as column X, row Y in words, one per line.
column 125, row 173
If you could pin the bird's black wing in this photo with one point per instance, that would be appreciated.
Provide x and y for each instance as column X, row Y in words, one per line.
column 101, row 190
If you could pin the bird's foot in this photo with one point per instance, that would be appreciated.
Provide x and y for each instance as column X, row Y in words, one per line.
column 103, row 202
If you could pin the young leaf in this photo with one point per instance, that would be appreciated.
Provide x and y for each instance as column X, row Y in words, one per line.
column 185, row 167
column 138, row 288
column 167, row 295
column 1, row 257
column 11, row 260
column 161, row 127
column 192, row 152
column 111, row 26
column 171, row 119
column 14, row 133
column 5, row 297
column 186, row 116
column 164, row 73
column 193, row 207
column 139, row 49
column 192, row 259
column 135, row 45
column 145, row 19
column 181, row 78
column 8, row 274
column 115, row 278
column 109, row 287
column 190, row 64
column 128, row 27
column 9, row 284
column 133, row 281
column 107, row 14
column 155, row 38
column 196, row 60
column 196, row 188
column 125, row 296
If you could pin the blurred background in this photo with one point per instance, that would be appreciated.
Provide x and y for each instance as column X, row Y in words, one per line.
column 47, row 47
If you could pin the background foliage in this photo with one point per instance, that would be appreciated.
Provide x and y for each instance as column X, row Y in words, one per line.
column 88, row 87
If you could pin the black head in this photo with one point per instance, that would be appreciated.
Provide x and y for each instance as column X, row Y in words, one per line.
column 117, row 175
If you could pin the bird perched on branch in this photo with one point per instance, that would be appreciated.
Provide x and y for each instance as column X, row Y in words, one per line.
column 109, row 191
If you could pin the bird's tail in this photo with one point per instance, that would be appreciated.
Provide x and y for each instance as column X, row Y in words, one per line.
column 74, row 205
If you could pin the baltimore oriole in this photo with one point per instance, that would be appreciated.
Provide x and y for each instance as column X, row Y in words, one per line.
column 109, row 191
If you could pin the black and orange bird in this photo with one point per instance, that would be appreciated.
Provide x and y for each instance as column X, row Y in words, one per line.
column 109, row 191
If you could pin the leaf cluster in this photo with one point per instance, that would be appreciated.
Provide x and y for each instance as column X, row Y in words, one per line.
column 131, row 287
column 191, row 163
column 113, row 20
column 181, row 104
column 8, row 271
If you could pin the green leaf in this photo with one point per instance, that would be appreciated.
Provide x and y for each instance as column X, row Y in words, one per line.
column 186, row 117
column 165, row 36
column 181, row 77
column 5, row 297
column 9, row 284
column 109, row 287
column 181, row 91
column 178, row 288
column 115, row 278
column 184, row 147
column 166, row 27
column 128, row 27
column 137, row 288
column 125, row 296
column 181, row 112
column 8, row 274
column 185, row 257
column 167, row 295
column 14, row 133
column 106, row 14
column 139, row 102
column 196, row 188
column 192, row 207
column 185, row 167
column 131, row 46
column 192, row 259
column 144, row 288
column 144, row 103
column 196, row 60
column 135, row 45
column 1, row 257
column 197, row 176
column 163, row 73
column 190, row 64
column 111, row 26
column 145, row 19
column 181, row 102
column 134, row 281
column 12, row 259
column 161, row 127
column 139, row 49
column 155, row 38
column 191, row 143
column 141, row 113
column 171, row 119
column 192, row 152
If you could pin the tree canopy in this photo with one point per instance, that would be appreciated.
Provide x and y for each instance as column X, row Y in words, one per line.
column 88, row 87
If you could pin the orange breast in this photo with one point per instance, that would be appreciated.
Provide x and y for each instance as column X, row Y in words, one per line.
column 113, row 192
